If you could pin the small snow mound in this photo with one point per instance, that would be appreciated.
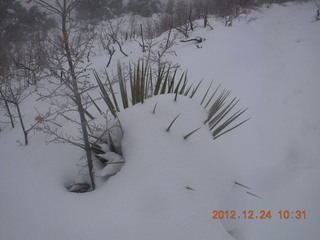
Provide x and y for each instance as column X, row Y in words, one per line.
column 163, row 167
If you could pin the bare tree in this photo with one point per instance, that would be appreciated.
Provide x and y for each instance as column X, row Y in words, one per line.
column 108, row 36
column 20, row 69
column 202, row 10
column 13, row 91
column 66, row 64
column 183, row 16
column 157, row 50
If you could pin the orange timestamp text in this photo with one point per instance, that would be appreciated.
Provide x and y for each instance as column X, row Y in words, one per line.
column 262, row 214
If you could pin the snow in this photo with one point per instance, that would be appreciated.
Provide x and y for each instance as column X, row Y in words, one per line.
column 113, row 166
column 169, row 186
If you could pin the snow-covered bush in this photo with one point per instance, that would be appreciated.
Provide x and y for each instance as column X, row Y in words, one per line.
column 145, row 82
column 140, row 83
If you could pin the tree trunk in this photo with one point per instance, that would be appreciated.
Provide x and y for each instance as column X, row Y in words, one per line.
column 77, row 95
column 25, row 133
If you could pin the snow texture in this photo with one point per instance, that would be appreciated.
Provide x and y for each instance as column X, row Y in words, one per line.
column 169, row 186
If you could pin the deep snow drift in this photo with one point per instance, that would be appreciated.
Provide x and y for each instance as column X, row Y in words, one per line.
column 168, row 187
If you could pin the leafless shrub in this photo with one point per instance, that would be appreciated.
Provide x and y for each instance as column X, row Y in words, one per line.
column 65, row 62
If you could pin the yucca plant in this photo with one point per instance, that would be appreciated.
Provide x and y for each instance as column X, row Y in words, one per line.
column 145, row 83
column 218, row 119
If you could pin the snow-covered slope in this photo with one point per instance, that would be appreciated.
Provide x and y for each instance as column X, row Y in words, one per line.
column 168, row 187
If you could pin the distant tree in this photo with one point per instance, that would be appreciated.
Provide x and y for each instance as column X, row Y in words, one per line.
column 183, row 16
column 20, row 64
column 169, row 7
column 98, row 9
column 229, row 10
column 18, row 22
column 144, row 8
column 20, row 72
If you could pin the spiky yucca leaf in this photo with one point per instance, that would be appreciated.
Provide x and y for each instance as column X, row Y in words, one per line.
column 189, row 134
column 205, row 95
column 184, row 85
column 187, row 91
column 172, row 81
column 218, row 119
column 161, row 72
column 217, row 104
column 139, row 83
column 176, row 91
column 105, row 94
column 165, row 83
column 95, row 104
column 154, row 109
column 113, row 94
column 168, row 129
column 123, row 87
column 195, row 89
column 214, row 121
column 217, row 132
column 214, row 93
column 142, row 85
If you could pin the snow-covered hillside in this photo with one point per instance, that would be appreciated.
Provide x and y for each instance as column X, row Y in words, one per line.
column 169, row 186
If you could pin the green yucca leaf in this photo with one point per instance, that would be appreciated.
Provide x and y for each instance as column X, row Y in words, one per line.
column 205, row 95
column 165, row 81
column 113, row 95
column 228, row 122
column 216, row 106
column 105, row 95
column 88, row 114
column 220, row 101
column 242, row 185
column 171, row 86
column 150, row 82
column 195, row 90
column 185, row 81
column 219, row 135
column 255, row 195
column 147, row 83
column 132, row 78
column 187, row 91
column 176, row 90
column 144, row 82
column 159, row 80
column 168, row 129
column 214, row 93
column 123, row 88
column 95, row 104
column 137, row 83
column 102, row 89
column 216, row 120
column 189, row 134
column 176, row 96
column 154, row 109
column 233, row 117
